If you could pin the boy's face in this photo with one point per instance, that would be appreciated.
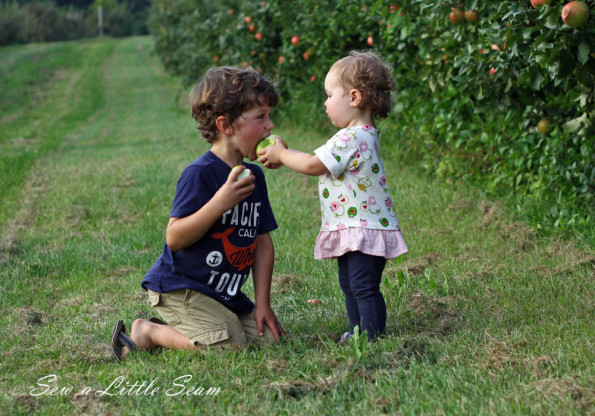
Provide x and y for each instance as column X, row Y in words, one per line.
column 252, row 126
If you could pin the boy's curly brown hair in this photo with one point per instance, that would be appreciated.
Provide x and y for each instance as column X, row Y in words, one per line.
column 228, row 92
column 371, row 76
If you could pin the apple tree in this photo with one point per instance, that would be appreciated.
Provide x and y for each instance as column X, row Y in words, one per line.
column 473, row 84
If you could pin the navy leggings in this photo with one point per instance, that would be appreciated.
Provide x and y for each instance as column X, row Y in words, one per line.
column 359, row 277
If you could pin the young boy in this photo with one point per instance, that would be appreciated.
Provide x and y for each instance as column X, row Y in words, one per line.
column 218, row 230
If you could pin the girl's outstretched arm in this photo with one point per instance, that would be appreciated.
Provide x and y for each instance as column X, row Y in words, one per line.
column 300, row 162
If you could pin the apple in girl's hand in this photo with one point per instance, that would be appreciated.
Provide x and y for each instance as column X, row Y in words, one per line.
column 269, row 141
column 244, row 174
column 266, row 142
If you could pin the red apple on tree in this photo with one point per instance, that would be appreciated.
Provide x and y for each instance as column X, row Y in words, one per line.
column 295, row 40
column 456, row 16
column 492, row 71
column 538, row 4
column 248, row 19
column 575, row 14
column 472, row 16
column 370, row 41
column 258, row 36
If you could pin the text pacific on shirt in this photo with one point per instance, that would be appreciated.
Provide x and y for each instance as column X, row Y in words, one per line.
column 245, row 214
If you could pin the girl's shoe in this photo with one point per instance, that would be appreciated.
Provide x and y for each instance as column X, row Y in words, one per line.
column 345, row 337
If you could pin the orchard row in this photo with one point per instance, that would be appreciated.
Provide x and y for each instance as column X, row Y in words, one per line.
column 476, row 80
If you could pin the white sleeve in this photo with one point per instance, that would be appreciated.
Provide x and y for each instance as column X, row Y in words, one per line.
column 337, row 153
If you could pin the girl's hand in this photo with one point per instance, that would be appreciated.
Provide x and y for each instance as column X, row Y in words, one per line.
column 270, row 156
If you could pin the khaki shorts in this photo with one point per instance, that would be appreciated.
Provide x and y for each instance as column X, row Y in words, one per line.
column 204, row 321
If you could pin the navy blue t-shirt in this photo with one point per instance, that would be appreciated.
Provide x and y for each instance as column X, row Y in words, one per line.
column 220, row 262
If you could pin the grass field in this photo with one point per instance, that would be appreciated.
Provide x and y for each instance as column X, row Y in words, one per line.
column 485, row 316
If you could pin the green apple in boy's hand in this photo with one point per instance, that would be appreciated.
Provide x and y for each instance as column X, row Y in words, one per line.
column 243, row 174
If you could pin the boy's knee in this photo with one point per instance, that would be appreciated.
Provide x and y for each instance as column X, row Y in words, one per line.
column 141, row 327
column 136, row 325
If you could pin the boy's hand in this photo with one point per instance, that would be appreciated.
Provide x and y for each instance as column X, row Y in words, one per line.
column 266, row 316
column 270, row 156
column 233, row 190
column 183, row 232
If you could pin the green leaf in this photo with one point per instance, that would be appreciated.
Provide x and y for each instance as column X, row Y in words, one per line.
column 574, row 125
column 536, row 80
column 583, row 52
column 552, row 22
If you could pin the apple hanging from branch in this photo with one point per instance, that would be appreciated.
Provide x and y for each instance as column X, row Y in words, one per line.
column 538, row 4
column 456, row 16
column 575, row 14
column 471, row 16
column 545, row 126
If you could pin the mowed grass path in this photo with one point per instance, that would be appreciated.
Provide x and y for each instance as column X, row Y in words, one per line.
column 484, row 316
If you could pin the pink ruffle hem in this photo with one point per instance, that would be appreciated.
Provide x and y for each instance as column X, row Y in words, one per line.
column 383, row 243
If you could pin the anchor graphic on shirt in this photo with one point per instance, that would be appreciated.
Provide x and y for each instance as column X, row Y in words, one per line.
column 239, row 257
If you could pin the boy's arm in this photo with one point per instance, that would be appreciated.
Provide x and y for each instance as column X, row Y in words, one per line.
column 300, row 162
column 183, row 232
column 262, row 273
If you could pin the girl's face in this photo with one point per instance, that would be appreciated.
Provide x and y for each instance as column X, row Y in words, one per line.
column 339, row 106
column 252, row 126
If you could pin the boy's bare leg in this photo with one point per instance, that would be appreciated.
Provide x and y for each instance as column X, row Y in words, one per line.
column 148, row 335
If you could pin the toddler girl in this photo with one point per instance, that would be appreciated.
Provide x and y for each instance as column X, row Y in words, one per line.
column 359, row 223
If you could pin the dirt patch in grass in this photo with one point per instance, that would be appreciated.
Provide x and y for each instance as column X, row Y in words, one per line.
column 298, row 389
column 284, row 283
column 26, row 213
column 522, row 237
column 434, row 316
column 417, row 266
column 28, row 316
column 501, row 355
column 89, row 404
column 274, row 364
column 515, row 234
column 26, row 143
column 582, row 397
column 30, row 403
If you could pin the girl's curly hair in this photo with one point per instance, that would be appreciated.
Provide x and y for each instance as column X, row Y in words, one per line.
column 228, row 92
column 371, row 76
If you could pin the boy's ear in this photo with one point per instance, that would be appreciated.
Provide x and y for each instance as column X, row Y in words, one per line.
column 223, row 125
column 355, row 97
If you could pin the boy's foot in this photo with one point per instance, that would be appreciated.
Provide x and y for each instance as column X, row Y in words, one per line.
column 120, row 341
